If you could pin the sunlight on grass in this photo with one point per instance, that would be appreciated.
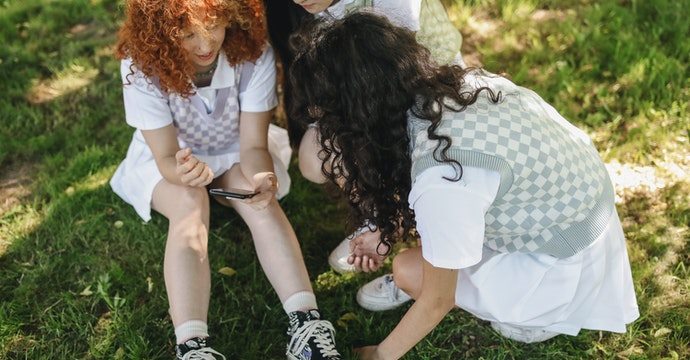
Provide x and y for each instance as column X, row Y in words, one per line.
column 635, row 75
column 516, row 11
column 77, row 263
column 18, row 221
column 68, row 81
column 94, row 181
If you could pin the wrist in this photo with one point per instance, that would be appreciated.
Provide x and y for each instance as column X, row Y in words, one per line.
column 380, row 354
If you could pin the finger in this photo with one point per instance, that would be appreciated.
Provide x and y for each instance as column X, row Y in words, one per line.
column 193, row 174
column 351, row 259
column 209, row 176
column 202, row 179
column 358, row 263
column 372, row 265
column 260, row 197
column 181, row 155
column 365, row 264
column 188, row 165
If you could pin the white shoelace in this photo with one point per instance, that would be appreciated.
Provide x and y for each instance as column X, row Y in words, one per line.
column 315, row 329
column 203, row 354
column 391, row 289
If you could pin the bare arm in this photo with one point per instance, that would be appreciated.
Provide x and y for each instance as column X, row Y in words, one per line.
column 437, row 298
column 255, row 160
column 177, row 166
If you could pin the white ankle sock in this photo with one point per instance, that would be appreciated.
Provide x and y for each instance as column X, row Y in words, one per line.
column 301, row 301
column 190, row 329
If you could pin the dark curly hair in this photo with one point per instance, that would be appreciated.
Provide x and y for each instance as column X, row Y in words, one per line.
column 359, row 77
column 150, row 35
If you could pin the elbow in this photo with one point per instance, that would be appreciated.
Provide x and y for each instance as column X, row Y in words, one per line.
column 308, row 157
column 311, row 171
column 310, row 167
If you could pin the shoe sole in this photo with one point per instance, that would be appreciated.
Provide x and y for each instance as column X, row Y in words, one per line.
column 338, row 268
column 374, row 306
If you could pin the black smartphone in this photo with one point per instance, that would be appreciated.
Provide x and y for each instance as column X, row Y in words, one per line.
column 232, row 193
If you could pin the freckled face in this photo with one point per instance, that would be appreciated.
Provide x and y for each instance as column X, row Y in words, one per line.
column 314, row 6
column 202, row 42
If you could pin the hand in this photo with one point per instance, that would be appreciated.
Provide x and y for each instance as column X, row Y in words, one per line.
column 192, row 172
column 368, row 353
column 266, row 187
column 363, row 249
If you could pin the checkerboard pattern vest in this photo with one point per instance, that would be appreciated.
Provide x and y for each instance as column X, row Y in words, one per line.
column 436, row 32
column 214, row 133
column 555, row 196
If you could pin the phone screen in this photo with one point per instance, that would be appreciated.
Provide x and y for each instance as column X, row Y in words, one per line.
column 232, row 193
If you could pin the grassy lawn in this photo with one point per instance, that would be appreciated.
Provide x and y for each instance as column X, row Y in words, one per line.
column 81, row 274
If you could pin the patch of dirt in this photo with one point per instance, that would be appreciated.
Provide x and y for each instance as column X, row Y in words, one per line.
column 15, row 181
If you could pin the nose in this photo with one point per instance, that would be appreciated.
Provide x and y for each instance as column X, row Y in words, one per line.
column 205, row 44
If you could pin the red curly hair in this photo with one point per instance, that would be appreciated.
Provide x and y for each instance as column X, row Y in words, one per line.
column 151, row 36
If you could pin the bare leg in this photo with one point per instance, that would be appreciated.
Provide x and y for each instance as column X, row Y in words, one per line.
column 274, row 239
column 186, row 268
column 407, row 271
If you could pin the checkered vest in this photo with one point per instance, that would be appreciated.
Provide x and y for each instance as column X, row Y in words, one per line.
column 554, row 197
column 436, row 32
column 214, row 133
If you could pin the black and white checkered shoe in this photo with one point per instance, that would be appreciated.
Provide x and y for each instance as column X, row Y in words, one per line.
column 310, row 337
column 197, row 349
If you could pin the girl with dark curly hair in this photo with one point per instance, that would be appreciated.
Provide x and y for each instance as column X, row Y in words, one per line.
column 433, row 29
column 513, row 206
column 199, row 87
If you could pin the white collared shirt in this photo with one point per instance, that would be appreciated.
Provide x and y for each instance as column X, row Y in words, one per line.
column 146, row 107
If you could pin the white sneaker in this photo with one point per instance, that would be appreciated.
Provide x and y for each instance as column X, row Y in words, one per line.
column 338, row 257
column 521, row 334
column 381, row 294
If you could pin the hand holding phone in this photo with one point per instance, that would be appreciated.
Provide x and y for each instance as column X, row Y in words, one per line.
column 232, row 193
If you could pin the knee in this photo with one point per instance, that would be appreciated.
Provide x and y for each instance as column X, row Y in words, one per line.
column 191, row 200
column 403, row 272
column 188, row 226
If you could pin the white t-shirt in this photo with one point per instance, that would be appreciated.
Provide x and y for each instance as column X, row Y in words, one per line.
column 450, row 215
column 146, row 107
column 403, row 13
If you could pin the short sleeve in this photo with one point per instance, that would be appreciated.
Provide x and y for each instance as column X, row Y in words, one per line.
column 146, row 107
column 403, row 13
column 450, row 215
column 260, row 93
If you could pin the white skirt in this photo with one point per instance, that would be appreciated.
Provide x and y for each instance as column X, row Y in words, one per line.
column 590, row 290
column 137, row 175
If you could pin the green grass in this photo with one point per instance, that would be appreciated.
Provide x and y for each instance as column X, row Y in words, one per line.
column 76, row 284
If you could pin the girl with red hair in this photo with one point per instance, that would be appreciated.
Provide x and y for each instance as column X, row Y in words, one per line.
column 199, row 87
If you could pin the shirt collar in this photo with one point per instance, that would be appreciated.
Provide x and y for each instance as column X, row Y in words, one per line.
column 336, row 11
column 224, row 76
